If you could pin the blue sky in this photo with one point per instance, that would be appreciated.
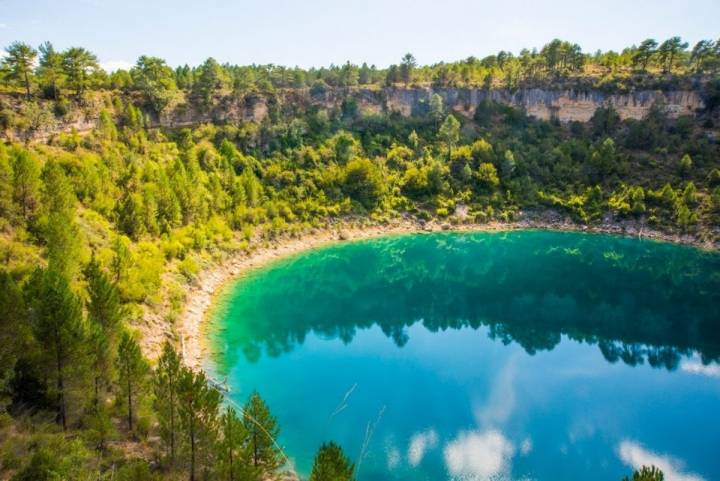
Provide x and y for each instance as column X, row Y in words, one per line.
column 320, row 32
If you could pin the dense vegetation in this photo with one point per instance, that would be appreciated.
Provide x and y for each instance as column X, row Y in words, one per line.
column 100, row 232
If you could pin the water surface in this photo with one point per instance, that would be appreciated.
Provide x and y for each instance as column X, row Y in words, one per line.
column 477, row 356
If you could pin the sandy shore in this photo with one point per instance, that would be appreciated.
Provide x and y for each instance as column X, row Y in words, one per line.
column 203, row 292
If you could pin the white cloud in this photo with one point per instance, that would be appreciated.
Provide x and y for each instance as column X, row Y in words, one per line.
column 113, row 65
column 479, row 456
column 526, row 446
column 634, row 455
column 696, row 367
column 419, row 444
column 3, row 25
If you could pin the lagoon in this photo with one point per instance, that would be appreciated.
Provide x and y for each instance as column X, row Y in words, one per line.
column 476, row 356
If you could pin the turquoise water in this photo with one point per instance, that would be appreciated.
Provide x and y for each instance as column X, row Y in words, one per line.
column 485, row 356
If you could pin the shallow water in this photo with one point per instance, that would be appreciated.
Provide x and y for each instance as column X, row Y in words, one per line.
column 521, row 355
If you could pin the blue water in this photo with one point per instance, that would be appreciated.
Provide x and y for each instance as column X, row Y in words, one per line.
column 523, row 355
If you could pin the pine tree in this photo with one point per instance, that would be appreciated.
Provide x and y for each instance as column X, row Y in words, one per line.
column 19, row 60
column 132, row 370
column 13, row 335
column 60, row 230
column 105, row 315
column 407, row 67
column 199, row 404
column 6, row 184
column 26, row 183
column 166, row 402
column 450, row 133
column 646, row 473
column 263, row 431
column 58, row 327
column 78, row 64
column 437, row 108
column 234, row 458
column 50, row 70
column 685, row 165
column 645, row 52
column 668, row 52
column 331, row 464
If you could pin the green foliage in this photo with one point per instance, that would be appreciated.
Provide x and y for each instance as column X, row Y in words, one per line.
column 450, row 132
column 628, row 201
column 198, row 407
column 166, row 402
column 363, row 182
column 263, row 430
column 156, row 81
column 211, row 80
column 603, row 160
column 235, row 463
column 646, row 473
column 50, row 71
column 644, row 53
column 60, row 232
column 436, row 108
column 487, row 176
column 79, row 65
column 132, row 371
column 105, row 314
column 26, row 183
column 14, row 337
column 331, row 464
column 685, row 165
column 43, row 466
column 58, row 327
column 19, row 60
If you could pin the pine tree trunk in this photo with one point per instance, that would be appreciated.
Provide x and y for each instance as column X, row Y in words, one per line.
column 60, row 382
column 61, row 395
column 255, row 448
column 96, row 401
column 192, row 453
column 230, row 451
column 172, row 428
column 130, row 412
column 27, row 85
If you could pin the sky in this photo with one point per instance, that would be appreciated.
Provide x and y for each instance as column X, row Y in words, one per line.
column 320, row 32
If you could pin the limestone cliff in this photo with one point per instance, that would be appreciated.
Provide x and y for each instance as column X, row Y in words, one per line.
column 562, row 105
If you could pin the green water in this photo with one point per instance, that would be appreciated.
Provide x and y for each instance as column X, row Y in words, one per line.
column 504, row 356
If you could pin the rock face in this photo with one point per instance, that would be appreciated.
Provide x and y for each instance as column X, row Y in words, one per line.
column 562, row 105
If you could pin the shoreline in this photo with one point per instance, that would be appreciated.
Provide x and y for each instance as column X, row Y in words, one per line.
column 203, row 293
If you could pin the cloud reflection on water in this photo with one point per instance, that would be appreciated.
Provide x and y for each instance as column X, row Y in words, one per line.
column 696, row 367
column 479, row 456
column 419, row 444
column 636, row 456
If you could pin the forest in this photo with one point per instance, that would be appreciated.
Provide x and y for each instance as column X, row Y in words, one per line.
column 100, row 228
